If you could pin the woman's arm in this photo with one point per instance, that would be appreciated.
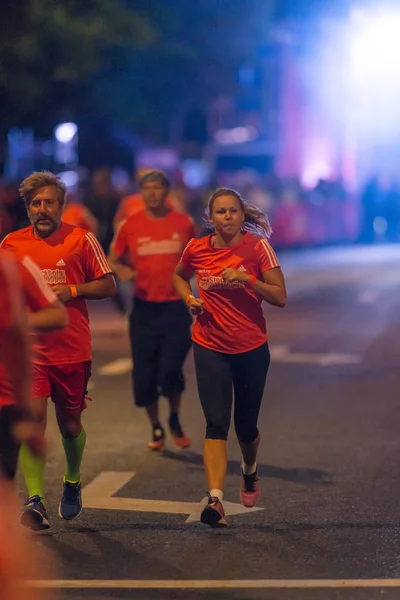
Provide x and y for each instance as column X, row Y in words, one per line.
column 181, row 280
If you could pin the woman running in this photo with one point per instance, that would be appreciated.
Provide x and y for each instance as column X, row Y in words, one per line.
column 236, row 269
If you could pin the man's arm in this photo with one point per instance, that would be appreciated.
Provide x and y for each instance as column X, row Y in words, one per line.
column 100, row 283
column 121, row 270
column 50, row 318
column 46, row 313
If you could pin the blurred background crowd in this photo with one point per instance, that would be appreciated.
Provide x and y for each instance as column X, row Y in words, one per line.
column 291, row 102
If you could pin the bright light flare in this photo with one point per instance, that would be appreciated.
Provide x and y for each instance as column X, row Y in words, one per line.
column 65, row 132
column 374, row 76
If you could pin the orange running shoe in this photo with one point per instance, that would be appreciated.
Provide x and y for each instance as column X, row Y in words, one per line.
column 180, row 439
column 158, row 442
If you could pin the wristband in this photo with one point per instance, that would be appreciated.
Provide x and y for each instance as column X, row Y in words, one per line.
column 188, row 298
column 252, row 280
column 74, row 291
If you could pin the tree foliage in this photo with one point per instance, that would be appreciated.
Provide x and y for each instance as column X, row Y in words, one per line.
column 133, row 62
column 48, row 47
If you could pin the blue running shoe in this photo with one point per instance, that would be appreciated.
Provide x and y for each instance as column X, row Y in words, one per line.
column 71, row 501
column 35, row 515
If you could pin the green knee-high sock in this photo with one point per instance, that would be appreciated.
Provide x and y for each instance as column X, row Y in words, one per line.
column 33, row 470
column 73, row 453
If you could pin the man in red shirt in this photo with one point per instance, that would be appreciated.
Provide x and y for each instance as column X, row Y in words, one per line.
column 22, row 287
column 74, row 265
column 134, row 203
column 151, row 243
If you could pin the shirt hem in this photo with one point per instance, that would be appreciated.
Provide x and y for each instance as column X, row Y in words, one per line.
column 58, row 363
column 6, row 402
column 224, row 351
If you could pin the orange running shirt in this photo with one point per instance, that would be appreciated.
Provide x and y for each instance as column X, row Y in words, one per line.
column 153, row 248
column 22, row 286
column 232, row 320
column 77, row 214
column 129, row 207
column 70, row 256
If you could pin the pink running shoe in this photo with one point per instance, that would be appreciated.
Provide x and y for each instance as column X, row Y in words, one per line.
column 250, row 491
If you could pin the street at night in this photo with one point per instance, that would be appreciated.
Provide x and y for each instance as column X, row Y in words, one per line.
column 328, row 464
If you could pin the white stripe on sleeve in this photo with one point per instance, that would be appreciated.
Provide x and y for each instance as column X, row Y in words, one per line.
column 99, row 253
column 190, row 242
column 273, row 261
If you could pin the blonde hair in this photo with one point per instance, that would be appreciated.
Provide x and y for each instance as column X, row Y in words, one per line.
column 255, row 221
column 34, row 182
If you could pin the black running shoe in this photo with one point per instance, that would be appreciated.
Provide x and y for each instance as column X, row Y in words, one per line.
column 213, row 514
column 35, row 514
column 71, row 501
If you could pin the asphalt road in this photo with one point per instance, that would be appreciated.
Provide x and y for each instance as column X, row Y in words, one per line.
column 329, row 459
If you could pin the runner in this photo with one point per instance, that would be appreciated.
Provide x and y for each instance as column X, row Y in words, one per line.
column 134, row 203
column 22, row 286
column 73, row 263
column 236, row 270
column 152, row 242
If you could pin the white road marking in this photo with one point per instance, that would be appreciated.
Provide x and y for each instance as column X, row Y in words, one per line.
column 116, row 367
column 280, row 354
column 100, row 492
column 162, row 584
column 321, row 360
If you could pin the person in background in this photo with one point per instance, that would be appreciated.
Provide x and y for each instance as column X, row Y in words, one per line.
column 236, row 269
column 134, row 203
column 146, row 248
column 79, row 215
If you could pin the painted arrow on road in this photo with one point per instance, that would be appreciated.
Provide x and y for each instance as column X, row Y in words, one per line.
column 100, row 494
column 279, row 354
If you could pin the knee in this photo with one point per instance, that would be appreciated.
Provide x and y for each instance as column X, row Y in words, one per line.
column 216, row 431
column 171, row 382
column 247, row 435
column 70, row 427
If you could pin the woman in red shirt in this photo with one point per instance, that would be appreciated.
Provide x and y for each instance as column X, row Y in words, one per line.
column 236, row 269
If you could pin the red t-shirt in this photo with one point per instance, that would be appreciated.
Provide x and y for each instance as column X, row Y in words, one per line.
column 232, row 320
column 22, row 286
column 129, row 207
column 70, row 256
column 153, row 248
column 77, row 214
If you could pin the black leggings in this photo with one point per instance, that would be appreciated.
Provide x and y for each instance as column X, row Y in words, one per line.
column 216, row 374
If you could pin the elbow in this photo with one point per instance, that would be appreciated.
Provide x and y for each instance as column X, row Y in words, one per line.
column 63, row 320
column 281, row 301
column 112, row 288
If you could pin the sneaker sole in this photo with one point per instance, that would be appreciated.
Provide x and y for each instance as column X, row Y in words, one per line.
column 211, row 517
column 182, row 445
column 68, row 518
column 155, row 446
column 252, row 505
column 34, row 520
